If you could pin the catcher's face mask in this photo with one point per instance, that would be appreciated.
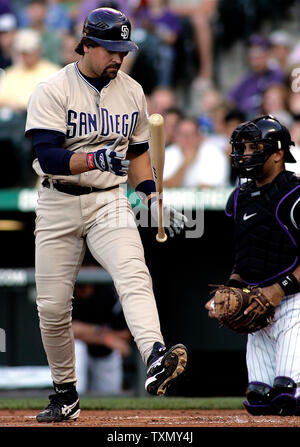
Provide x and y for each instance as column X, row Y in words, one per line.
column 266, row 136
column 250, row 151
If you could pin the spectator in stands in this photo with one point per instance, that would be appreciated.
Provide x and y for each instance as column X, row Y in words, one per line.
column 195, row 160
column 102, row 339
column 232, row 119
column 36, row 13
column 161, row 99
column 157, row 18
column 68, row 54
column 212, row 108
column 275, row 102
column 172, row 117
column 201, row 14
column 19, row 81
column 142, row 65
column 247, row 94
column 294, row 102
column 8, row 28
column 56, row 15
column 294, row 56
column 180, row 156
column 211, row 98
column 6, row 7
column 281, row 46
column 294, row 107
column 23, row 76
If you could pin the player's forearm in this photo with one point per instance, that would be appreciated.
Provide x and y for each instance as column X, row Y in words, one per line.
column 176, row 180
column 56, row 160
column 140, row 176
column 235, row 276
column 96, row 335
column 78, row 164
column 124, row 334
column 235, row 280
column 296, row 273
column 140, row 169
column 290, row 284
column 173, row 182
column 12, row 104
column 93, row 334
column 89, row 333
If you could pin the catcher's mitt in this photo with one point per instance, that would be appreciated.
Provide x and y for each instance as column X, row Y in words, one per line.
column 229, row 304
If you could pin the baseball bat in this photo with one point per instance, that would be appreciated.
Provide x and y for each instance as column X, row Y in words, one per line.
column 157, row 155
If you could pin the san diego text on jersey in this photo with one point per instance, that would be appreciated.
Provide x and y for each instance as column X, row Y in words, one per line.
column 104, row 123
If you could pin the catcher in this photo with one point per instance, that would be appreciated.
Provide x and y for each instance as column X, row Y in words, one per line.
column 261, row 298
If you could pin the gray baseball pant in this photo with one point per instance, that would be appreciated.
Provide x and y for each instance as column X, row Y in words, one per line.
column 105, row 221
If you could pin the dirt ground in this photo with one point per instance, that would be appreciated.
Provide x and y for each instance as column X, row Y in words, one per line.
column 153, row 418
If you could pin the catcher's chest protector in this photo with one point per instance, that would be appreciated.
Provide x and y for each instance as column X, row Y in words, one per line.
column 266, row 240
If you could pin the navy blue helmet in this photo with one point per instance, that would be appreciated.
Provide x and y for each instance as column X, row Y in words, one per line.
column 109, row 28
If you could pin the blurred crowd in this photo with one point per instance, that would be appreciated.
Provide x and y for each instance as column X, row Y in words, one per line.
column 205, row 65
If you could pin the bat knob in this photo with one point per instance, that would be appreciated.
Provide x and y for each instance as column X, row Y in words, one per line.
column 161, row 239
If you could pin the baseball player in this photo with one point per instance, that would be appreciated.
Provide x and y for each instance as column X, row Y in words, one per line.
column 266, row 216
column 89, row 128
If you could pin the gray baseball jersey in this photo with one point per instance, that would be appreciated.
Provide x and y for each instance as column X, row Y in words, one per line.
column 68, row 103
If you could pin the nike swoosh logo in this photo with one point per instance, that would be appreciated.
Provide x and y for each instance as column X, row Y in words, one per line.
column 246, row 217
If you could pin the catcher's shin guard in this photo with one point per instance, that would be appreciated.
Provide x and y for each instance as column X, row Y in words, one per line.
column 281, row 400
column 259, row 397
column 284, row 401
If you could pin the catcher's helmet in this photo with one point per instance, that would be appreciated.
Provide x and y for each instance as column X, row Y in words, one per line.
column 110, row 29
column 265, row 130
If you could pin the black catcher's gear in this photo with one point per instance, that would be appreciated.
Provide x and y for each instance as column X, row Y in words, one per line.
column 264, row 130
column 267, row 243
column 109, row 28
column 280, row 399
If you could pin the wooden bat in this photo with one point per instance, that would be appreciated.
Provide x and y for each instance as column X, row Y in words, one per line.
column 157, row 155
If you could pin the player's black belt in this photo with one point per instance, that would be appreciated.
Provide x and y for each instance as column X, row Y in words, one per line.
column 74, row 190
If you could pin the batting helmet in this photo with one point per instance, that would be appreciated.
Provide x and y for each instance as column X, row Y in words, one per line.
column 109, row 28
column 265, row 130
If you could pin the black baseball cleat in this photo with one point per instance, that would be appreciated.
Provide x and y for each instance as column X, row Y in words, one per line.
column 164, row 366
column 62, row 407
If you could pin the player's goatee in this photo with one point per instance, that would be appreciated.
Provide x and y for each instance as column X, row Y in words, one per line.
column 111, row 71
